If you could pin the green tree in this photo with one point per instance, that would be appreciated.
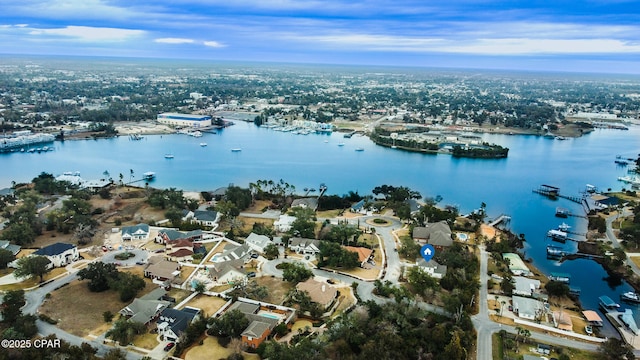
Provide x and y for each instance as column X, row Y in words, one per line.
column 12, row 301
column 342, row 232
column 271, row 251
column 557, row 288
column 615, row 349
column 127, row 284
column 333, row 255
column 174, row 215
column 304, row 225
column 295, row 272
column 124, row 331
column 420, row 280
column 6, row 257
column 34, row 266
column 231, row 324
column 100, row 275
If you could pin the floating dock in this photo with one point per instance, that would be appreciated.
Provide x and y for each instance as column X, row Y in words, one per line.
column 553, row 192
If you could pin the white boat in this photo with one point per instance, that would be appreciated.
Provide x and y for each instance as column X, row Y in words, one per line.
column 149, row 175
column 203, row 144
column 588, row 329
column 341, row 144
column 564, row 227
column 360, row 149
column 236, row 150
column 168, row 156
column 630, row 296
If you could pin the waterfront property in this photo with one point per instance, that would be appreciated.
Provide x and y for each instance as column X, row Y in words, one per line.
column 184, row 120
column 593, row 318
column 516, row 265
column 526, row 308
column 437, row 234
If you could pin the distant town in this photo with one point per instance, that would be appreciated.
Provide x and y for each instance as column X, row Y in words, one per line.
column 110, row 268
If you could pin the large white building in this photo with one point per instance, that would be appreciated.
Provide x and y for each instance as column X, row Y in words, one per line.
column 186, row 120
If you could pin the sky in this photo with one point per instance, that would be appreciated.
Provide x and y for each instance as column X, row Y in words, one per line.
column 579, row 36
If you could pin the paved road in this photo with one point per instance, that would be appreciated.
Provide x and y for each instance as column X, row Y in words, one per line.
column 615, row 242
column 35, row 298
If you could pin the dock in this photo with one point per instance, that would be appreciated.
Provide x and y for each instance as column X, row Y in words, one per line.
column 503, row 218
column 553, row 192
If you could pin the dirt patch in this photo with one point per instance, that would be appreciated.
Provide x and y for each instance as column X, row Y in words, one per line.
column 247, row 223
column 208, row 304
column 258, row 206
column 78, row 310
column 278, row 288
column 146, row 341
column 210, row 349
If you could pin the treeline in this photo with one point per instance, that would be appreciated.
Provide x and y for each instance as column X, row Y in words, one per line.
column 488, row 151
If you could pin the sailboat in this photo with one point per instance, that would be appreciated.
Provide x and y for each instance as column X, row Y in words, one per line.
column 168, row 156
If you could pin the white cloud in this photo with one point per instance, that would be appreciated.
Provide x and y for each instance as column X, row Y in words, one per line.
column 174, row 41
column 86, row 33
column 523, row 46
column 214, row 44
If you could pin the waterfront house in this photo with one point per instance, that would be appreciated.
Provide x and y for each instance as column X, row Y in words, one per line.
column 516, row 265
column 257, row 242
column 304, row 246
column 173, row 322
column 432, row 268
column 562, row 320
column 60, row 254
column 525, row 286
column 135, row 232
column 320, row 293
column 526, row 308
column 437, row 234
column 283, row 224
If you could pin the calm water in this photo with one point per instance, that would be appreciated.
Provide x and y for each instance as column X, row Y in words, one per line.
column 306, row 161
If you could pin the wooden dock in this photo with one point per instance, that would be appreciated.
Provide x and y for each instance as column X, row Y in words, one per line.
column 503, row 218
column 553, row 192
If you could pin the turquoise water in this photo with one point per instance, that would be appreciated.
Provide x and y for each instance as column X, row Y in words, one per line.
column 505, row 185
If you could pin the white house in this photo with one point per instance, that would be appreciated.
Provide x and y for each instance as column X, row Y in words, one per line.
column 526, row 308
column 202, row 217
column 258, row 242
column 172, row 322
column 433, row 268
column 226, row 272
column 304, row 246
column 60, row 254
column 283, row 224
column 135, row 232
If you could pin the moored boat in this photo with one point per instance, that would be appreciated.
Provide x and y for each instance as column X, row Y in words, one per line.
column 562, row 212
column 149, row 175
column 607, row 304
column 168, row 156
column 630, row 296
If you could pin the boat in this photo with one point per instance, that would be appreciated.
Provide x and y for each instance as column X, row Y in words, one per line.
column 555, row 251
column 635, row 180
column 341, row 144
column 203, row 144
column 622, row 162
column 607, row 304
column 588, row 329
column 360, row 149
column 149, row 175
column 560, row 277
column 557, row 235
column 562, row 212
column 560, row 137
column 630, row 296
column 135, row 137
column 564, row 227
column 168, row 156
column 236, row 150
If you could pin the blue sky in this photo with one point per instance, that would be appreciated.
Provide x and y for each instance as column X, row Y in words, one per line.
column 583, row 36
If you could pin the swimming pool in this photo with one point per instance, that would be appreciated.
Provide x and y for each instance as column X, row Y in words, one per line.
column 462, row 236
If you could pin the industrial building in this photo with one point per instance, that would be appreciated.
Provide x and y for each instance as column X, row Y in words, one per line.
column 184, row 120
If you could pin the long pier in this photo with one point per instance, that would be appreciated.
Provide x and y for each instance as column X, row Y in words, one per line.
column 553, row 192
column 500, row 219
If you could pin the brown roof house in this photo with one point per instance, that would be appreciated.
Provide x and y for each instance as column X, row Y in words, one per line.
column 162, row 270
column 364, row 254
column 320, row 293
column 437, row 234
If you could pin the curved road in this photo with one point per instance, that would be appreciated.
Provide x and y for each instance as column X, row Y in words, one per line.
column 34, row 298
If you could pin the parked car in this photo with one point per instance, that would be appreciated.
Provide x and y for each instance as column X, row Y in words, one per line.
column 104, row 248
column 254, row 256
column 169, row 346
column 251, row 274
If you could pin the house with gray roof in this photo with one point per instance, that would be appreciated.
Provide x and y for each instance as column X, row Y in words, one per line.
column 304, row 246
column 6, row 245
column 135, row 232
column 232, row 252
column 258, row 242
column 433, row 268
column 227, row 272
column 206, row 217
column 144, row 310
column 307, row 203
column 525, row 286
column 437, row 234
column 526, row 308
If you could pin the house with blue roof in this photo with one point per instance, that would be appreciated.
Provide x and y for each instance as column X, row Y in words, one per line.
column 135, row 232
column 60, row 254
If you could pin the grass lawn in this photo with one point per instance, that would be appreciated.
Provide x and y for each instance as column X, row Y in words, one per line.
column 208, row 304
column 211, row 350
column 247, row 223
column 146, row 341
column 78, row 310
column 278, row 288
column 370, row 274
column 31, row 282
column 300, row 324
column 178, row 294
column 258, row 206
column 636, row 260
column 329, row 214
column 346, row 299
